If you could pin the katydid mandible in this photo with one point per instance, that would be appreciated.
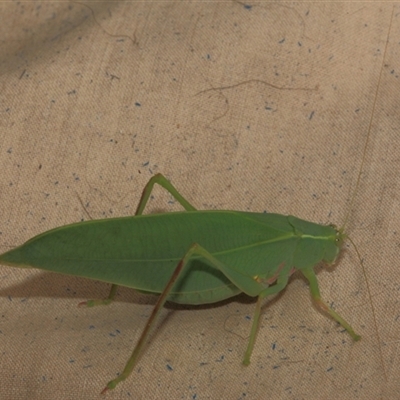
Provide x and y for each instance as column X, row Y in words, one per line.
column 188, row 257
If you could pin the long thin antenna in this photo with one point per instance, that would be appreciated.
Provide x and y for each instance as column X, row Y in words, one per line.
column 369, row 127
column 355, row 192
column 372, row 307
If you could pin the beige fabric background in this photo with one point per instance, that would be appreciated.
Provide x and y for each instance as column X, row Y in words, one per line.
column 250, row 106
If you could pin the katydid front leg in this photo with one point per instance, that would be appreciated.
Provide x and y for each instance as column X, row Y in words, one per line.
column 314, row 289
column 280, row 284
column 167, row 185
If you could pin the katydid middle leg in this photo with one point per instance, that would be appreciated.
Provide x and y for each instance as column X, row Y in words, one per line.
column 281, row 282
column 101, row 302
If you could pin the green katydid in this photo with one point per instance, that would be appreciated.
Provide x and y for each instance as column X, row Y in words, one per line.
column 189, row 257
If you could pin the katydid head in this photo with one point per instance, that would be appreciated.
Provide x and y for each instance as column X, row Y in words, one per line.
column 333, row 250
column 340, row 236
column 334, row 245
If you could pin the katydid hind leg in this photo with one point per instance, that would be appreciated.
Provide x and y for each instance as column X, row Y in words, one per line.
column 167, row 185
column 315, row 293
column 162, row 181
column 280, row 285
column 155, row 313
column 194, row 249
